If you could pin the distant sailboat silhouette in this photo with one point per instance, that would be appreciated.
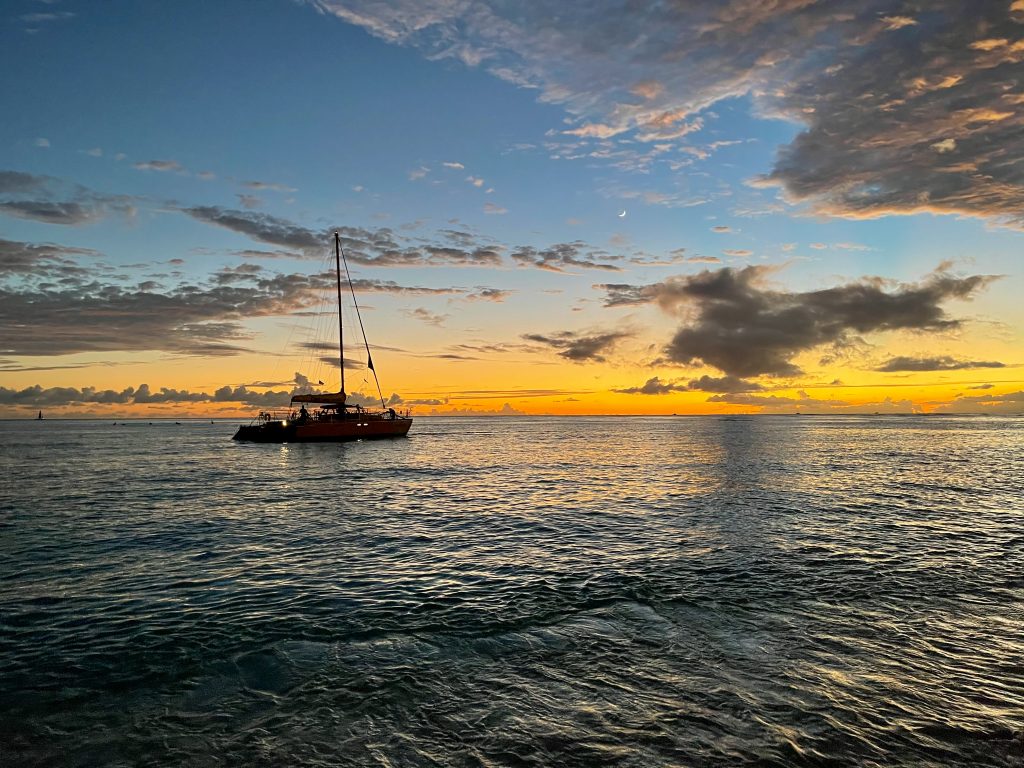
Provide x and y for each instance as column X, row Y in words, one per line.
column 40, row 416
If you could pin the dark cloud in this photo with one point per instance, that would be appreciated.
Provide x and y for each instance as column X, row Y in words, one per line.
column 580, row 347
column 188, row 319
column 942, row 363
column 39, row 397
column 723, row 384
column 261, row 227
column 17, row 258
column 655, row 386
column 368, row 247
column 384, row 247
column 906, row 106
column 50, row 213
column 51, row 201
column 242, row 272
column 16, row 182
column 744, row 328
column 556, row 258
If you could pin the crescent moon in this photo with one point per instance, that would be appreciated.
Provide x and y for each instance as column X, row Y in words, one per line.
column 622, row 215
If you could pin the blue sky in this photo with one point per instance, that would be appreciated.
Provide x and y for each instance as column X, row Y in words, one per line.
column 813, row 147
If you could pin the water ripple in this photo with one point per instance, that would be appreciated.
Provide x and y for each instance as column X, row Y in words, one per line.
column 635, row 592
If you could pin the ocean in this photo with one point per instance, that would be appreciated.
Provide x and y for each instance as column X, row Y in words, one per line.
column 690, row 591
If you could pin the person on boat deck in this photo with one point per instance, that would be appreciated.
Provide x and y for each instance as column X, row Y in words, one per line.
column 303, row 414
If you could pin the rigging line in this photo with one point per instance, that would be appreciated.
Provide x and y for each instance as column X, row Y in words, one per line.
column 369, row 358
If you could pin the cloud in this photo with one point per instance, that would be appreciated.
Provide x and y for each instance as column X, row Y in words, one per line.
column 425, row 316
column 76, row 312
column 369, row 247
column 249, row 201
column 50, row 213
column 55, row 261
column 721, row 229
column 40, row 397
column 44, row 17
column 1006, row 403
column 723, row 384
column 261, row 227
column 580, row 347
column 386, row 248
column 862, row 78
column 494, row 209
column 738, row 324
column 42, row 142
column 267, row 185
column 804, row 403
column 455, row 166
column 655, row 386
column 27, row 196
column 555, row 258
column 505, row 410
column 942, row 363
column 497, row 295
column 162, row 166
column 740, row 252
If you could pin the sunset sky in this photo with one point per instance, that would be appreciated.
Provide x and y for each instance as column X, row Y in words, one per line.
column 548, row 208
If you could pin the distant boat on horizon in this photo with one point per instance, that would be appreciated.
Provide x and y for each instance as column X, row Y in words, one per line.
column 40, row 416
column 334, row 420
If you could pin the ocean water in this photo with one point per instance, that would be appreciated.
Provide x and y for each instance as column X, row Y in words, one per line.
column 718, row 591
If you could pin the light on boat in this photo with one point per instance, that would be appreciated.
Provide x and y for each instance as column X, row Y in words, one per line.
column 284, row 423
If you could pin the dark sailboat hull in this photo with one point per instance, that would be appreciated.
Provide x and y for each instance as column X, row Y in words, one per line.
column 324, row 431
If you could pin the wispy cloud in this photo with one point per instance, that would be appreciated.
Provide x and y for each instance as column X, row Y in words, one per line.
column 162, row 166
column 860, row 78
column 267, row 185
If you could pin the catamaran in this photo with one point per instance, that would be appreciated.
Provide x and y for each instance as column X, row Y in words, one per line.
column 332, row 418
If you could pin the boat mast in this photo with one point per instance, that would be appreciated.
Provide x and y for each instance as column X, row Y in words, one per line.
column 362, row 329
column 341, row 337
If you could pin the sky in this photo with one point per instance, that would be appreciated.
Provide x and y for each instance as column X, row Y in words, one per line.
column 547, row 207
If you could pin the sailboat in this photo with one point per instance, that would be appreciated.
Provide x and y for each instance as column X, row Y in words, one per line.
column 332, row 418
